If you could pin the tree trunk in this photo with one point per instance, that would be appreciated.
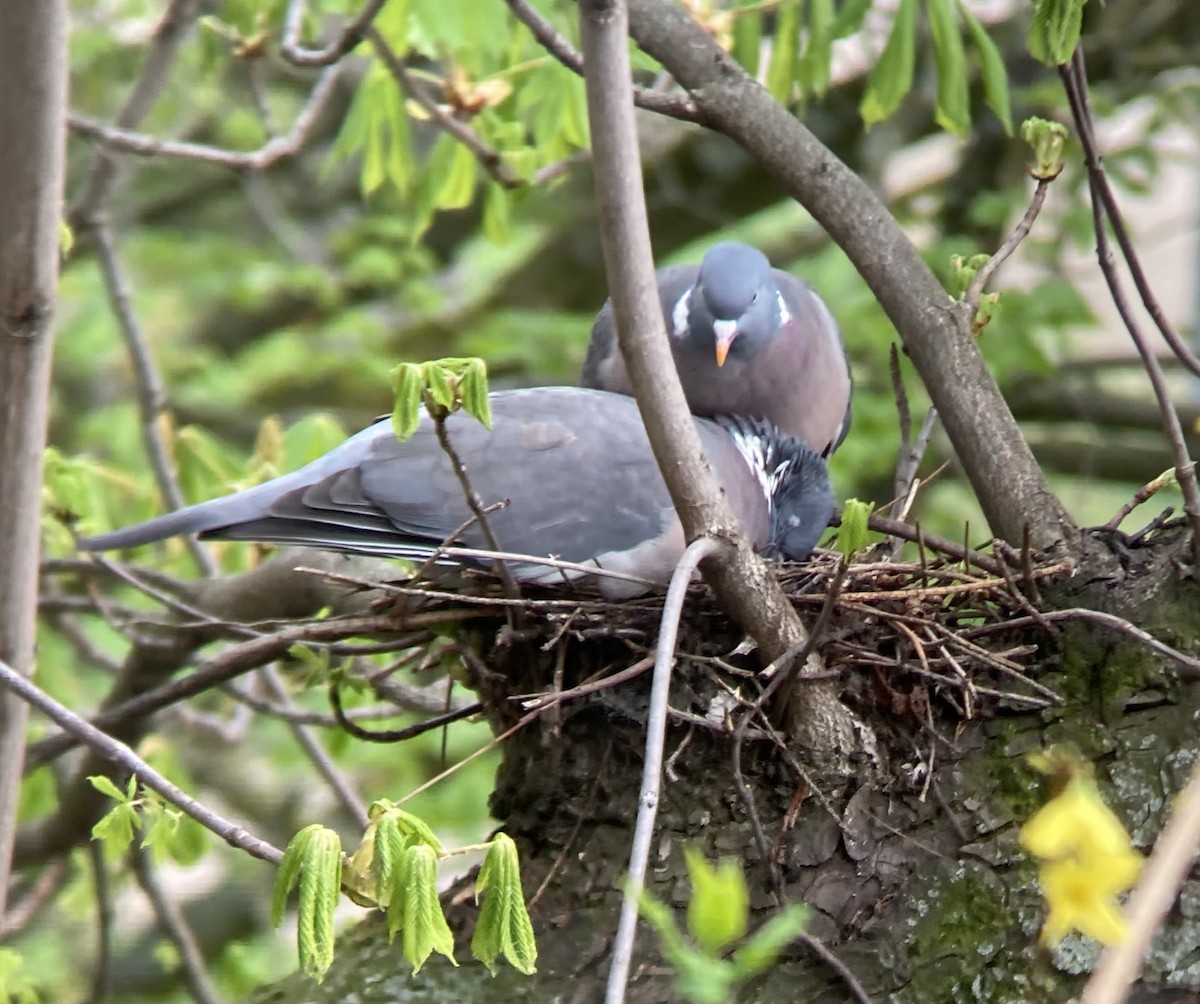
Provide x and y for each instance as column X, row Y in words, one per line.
column 920, row 889
column 33, row 91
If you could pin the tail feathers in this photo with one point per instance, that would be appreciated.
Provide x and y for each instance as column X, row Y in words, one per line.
column 203, row 518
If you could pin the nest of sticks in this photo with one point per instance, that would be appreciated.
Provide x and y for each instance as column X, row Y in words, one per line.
column 943, row 640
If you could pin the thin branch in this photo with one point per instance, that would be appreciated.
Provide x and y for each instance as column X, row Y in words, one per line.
column 396, row 735
column 490, row 159
column 175, row 926
column 123, row 140
column 232, row 662
column 477, row 510
column 1164, row 875
column 102, row 895
column 341, row 785
column 1142, row 495
column 22, row 913
column 156, row 68
column 352, row 32
column 656, row 727
column 676, row 106
column 121, row 755
column 1011, row 243
column 152, row 398
column 1075, row 81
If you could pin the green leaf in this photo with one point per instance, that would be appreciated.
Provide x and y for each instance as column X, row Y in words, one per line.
column 784, row 47
column 408, row 383
column 458, row 187
column 387, row 863
column 437, row 382
column 503, row 927
column 116, row 827
column 747, row 40
column 474, row 392
column 497, row 206
column 1054, row 31
column 991, row 62
column 425, row 927
column 288, row 872
column 852, row 537
column 953, row 111
column 818, row 49
column 16, row 986
column 105, row 786
column 762, row 949
column 320, row 884
column 892, row 77
column 720, row 905
column 850, row 17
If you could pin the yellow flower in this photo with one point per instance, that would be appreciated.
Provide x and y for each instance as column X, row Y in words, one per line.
column 1081, row 896
column 1076, row 821
column 1087, row 860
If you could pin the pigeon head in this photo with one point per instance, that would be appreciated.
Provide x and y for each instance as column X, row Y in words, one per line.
column 735, row 304
column 794, row 479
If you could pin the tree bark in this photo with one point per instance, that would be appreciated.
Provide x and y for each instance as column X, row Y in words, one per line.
column 33, row 92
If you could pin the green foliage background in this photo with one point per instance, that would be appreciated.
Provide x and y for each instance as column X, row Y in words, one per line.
column 275, row 306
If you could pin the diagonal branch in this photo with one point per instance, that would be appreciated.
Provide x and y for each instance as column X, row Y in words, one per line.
column 293, row 50
column 1075, row 81
column 744, row 585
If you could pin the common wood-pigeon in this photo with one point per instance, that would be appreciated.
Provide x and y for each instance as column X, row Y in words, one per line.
column 575, row 465
column 748, row 340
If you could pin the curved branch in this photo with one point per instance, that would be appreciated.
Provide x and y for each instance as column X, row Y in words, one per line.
column 743, row 584
column 936, row 331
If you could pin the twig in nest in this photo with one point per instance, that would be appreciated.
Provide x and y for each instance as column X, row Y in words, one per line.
column 1143, row 494
column 395, row 735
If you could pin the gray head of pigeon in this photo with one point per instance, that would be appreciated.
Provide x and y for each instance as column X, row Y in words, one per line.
column 735, row 305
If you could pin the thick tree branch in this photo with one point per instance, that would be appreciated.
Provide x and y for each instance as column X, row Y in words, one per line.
column 743, row 583
column 33, row 90
column 936, row 331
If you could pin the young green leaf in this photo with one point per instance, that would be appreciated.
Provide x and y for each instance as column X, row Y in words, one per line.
column 818, row 48
column 105, row 786
column 852, row 537
column 320, row 883
column 503, row 927
column 720, row 905
column 437, row 383
column 991, row 64
column 1054, row 30
column 785, row 44
column 16, row 985
column 425, row 927
column 474, row 392
column 416, row 830
column 408, row 382
column 116, row 827
column 850, row 17
column 459, row 185
column 953, row 112
column 892, row 77
column 763, row 947
column 388, row 859
column 288, row 872
column 747, row 40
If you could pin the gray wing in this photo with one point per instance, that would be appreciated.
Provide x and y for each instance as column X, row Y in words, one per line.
column 603, row 367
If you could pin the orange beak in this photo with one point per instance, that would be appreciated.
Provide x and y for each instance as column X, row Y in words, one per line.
column 725, row 332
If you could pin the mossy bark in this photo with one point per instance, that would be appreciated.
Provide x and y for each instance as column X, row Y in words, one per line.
column 920, row 888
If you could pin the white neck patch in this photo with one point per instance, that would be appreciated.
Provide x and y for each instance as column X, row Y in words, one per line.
column 681, row 315
column 785, row 315
column 752, row 449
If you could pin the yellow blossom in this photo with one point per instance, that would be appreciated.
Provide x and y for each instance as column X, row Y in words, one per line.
column 1081, row 896
column 1087, row 860
column 1073, row 822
